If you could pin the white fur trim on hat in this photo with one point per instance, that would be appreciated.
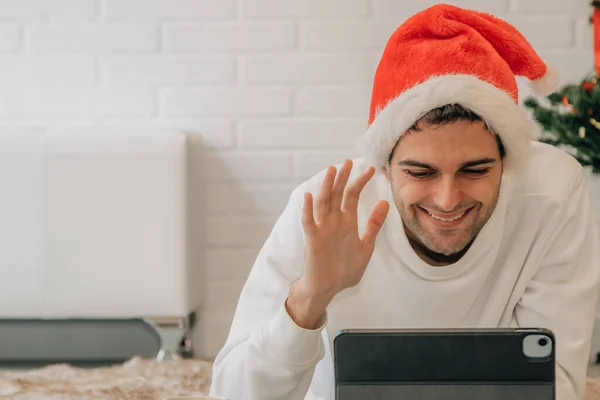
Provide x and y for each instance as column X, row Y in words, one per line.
column 493, row 105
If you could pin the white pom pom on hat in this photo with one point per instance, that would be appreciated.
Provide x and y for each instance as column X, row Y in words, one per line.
column 547, row 84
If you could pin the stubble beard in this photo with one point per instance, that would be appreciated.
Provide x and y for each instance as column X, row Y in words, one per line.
column 462, row 238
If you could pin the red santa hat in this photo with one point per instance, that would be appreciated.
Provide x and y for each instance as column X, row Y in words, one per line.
column 449, row 55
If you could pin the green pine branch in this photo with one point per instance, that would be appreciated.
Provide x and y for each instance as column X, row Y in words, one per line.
column 572, row 126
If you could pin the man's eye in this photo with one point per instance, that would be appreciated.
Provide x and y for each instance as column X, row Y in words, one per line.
column 423, row 174
column 476, row 171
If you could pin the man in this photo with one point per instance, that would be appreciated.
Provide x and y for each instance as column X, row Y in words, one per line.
column 485, row 229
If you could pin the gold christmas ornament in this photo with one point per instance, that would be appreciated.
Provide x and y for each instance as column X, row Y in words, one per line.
column 595, row 123
column 581, row 132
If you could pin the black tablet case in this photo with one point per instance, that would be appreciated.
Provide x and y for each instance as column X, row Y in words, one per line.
column 485, row 364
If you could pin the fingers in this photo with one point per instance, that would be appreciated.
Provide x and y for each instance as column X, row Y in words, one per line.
column 322, row 204
column 352, row 193
column 375, row 222
column 308, row 219
column 337, row 193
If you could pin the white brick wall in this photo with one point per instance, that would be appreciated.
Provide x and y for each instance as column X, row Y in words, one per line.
column 304, row 9
column 27, row 11
column 91, row 37
column 169, row 10
column 164, row 70
column 227, row 102
column 230, row 37
column 277, row 88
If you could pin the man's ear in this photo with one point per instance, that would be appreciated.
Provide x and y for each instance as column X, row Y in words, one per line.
column 387, row 169
column 386, row 172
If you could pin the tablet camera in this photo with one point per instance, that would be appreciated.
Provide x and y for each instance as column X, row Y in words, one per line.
column 537, row 347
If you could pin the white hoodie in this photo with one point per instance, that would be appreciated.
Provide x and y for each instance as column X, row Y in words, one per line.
column 536, row 263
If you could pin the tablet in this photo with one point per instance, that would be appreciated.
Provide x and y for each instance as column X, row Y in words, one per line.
column 448, row 364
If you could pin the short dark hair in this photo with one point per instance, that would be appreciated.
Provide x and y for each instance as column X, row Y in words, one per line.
column 448, row 114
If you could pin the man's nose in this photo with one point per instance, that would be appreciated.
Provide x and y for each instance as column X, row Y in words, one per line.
column 448, row 194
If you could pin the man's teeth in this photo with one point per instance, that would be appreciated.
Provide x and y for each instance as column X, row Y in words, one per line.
column 445, row 219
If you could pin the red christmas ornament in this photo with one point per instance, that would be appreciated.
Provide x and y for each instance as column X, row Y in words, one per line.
column 588, row 85
column 596, row 25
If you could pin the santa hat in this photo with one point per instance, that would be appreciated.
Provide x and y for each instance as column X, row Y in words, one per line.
column 449, row 55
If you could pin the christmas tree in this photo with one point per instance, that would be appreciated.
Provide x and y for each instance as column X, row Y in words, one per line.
column 571, row 116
